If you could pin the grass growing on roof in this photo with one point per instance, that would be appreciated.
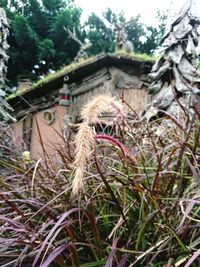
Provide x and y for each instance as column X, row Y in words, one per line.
column 75, row 65
column 53, row 76
column 135, row 56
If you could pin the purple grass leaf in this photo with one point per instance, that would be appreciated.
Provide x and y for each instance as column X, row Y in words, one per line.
column 122, row 262
column 62, row 218
column 63, row 225
column 194, row 172
column 109, row 262
column 11, row 222
column 54, row 254
column 114, row 141
column 195, row 255
column 18, row 230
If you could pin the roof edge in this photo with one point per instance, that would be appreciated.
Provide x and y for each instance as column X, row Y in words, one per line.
column 134, row 58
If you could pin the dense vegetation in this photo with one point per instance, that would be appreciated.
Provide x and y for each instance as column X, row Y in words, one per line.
column 38, row 38
column 139, row 204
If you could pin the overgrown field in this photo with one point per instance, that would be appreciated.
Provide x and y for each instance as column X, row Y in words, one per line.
column 134, row 202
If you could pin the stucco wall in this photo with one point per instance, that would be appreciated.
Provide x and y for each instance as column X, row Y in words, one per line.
column 136, row 98
column 50, row 134
column 17, row 134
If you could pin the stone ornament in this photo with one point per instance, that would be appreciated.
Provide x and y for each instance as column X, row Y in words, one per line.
column 175, row 75
column 4, row 32
column 49, row 116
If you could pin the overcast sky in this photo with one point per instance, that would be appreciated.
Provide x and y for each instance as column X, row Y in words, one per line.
column 146, row 8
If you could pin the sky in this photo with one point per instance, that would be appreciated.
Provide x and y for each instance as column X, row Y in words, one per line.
column 146, row 8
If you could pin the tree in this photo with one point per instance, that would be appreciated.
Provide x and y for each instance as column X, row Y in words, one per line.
column 38, row 18
column 146, row 38
column 23, row 42
column 54, row 6
column 102, row 32
column 46, row 51
column 66, row 47
column 100, row 35
column 37, row 33
column 152, row 39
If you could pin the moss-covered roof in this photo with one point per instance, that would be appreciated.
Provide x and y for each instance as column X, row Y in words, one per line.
column 81, row 69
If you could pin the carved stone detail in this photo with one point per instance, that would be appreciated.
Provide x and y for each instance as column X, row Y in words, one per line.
column 174, row 74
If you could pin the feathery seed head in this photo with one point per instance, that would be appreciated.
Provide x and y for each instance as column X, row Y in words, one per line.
column 85, row 138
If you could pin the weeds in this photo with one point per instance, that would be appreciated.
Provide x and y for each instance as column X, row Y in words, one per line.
column 139, row 206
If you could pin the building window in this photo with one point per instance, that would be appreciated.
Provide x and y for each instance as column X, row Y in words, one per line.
column 49, row 116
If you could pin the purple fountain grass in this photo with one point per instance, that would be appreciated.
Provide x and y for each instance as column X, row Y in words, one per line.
column 127, row 153
column 85, row 138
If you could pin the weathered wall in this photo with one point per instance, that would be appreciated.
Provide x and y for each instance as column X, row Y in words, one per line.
column 130, row 87
column 17, row 134
column 49, row 133
column 82, row 99
column 136, row 98
column 114, row 82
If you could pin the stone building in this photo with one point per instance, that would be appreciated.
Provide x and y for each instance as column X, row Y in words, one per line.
column 44, row 109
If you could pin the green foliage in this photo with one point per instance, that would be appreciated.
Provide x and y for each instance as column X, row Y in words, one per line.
column 136, row 56
column 36, row 24
column 70, row 19
column 46, row 50
column 154, row 34
column 33, row 22
column 38, row 18
column 23, row 47
column 151, row 41
column 101, row 37
column 53, row 6
column 25, row 36
column 135, row 30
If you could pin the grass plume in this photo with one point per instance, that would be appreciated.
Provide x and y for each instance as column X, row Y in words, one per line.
column 84, row 142
column 85, row 138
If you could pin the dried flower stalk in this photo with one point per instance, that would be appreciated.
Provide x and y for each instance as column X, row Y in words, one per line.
column 85, row 138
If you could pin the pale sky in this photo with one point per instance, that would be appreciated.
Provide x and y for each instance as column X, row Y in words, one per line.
column 146, row 8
